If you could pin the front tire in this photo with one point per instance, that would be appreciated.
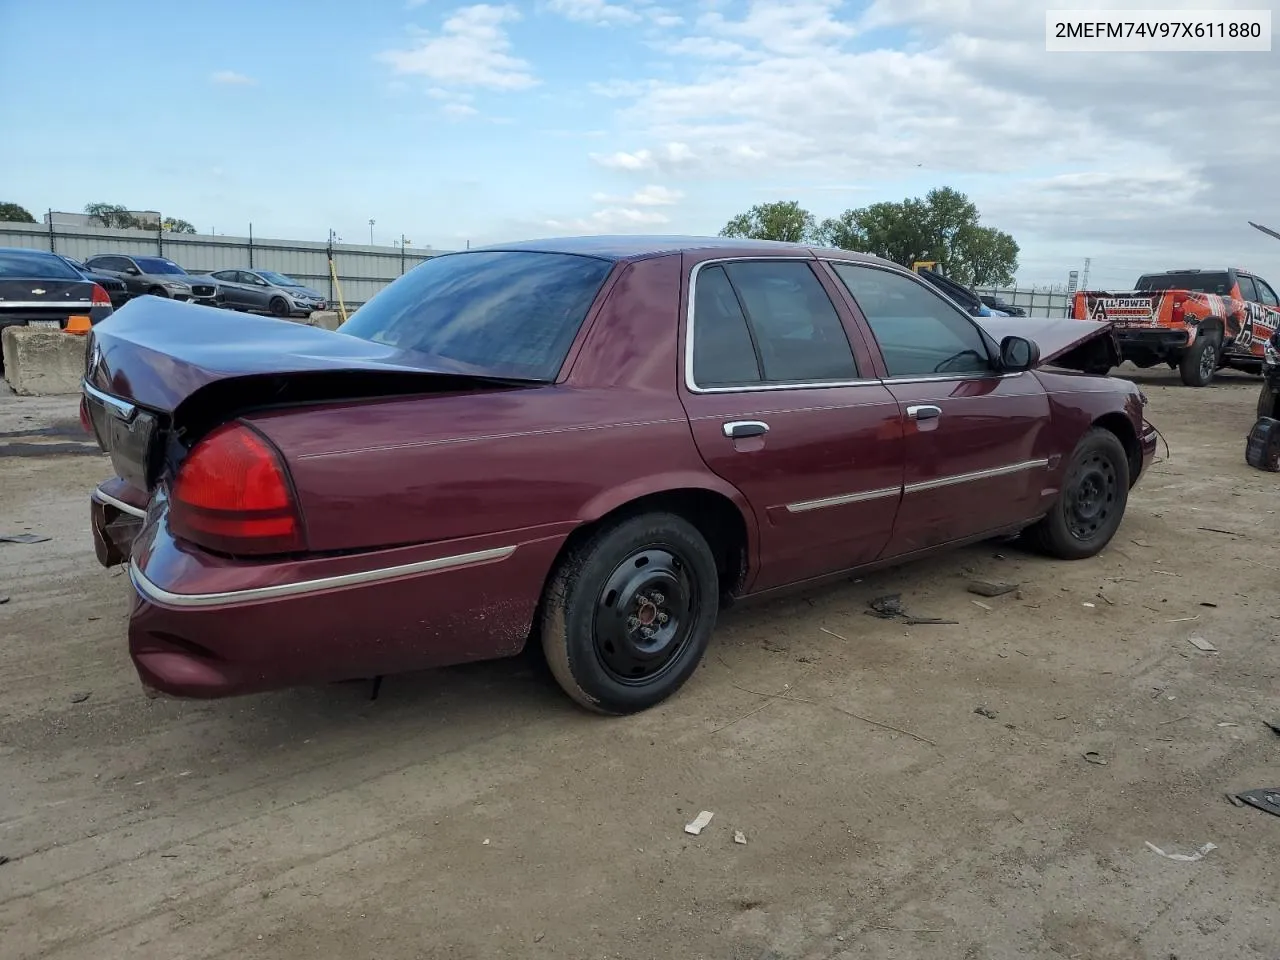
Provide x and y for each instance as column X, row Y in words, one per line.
column 1200, row 361
column 278, row 307
column 628, row 613
column 1088, row 511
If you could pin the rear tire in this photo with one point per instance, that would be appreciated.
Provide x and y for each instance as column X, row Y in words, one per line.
column 1266, row 401
column 629, row 611
column 159, row 292
column 278, row 307
column 1200, row 362
column 1088, row 511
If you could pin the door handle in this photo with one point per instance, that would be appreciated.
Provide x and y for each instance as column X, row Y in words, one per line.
column 924, row 411
column 741, row 429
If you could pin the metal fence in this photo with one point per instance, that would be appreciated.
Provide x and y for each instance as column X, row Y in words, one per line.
column 361, row 270
column 1037, row 303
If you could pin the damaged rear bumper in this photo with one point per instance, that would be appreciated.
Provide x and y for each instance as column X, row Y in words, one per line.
column 116, row 516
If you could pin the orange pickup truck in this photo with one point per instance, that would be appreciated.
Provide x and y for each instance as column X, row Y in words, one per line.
column 1194, row 320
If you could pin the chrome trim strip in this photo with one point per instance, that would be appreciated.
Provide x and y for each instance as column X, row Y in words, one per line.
column 50, row 304
column 120, row 408
column 975, row 475
column 119, row 504
column 161, row 596
column 806, row 505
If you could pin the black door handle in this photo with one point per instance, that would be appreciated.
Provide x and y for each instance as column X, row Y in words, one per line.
column 741, row 429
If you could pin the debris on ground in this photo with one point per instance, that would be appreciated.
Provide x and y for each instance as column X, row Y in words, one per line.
column 3, row 599
column 1206, row 603
column 1184, row 857
column 1200, row 643
column 4, row 860
column 696, row 826
column 984, row 606
column 22, row 538
column 1234, row 800
column 537, row 937
column 991, row 588
column 1229, row 533
column 1275, row 726
column 985, row 712
column 739, row 837
column 1093, row 756
column 80, row 697
column 832, row 633
column 1264, row 798
column 888, row 607
column 1091, row 606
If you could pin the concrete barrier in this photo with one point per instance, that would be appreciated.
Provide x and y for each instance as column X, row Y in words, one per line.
column 327, row 319
column 42, row 362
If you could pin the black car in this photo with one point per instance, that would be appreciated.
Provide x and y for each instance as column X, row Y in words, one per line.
column 116, row 289
column 995, row 303
column 39, row 289
column 159, row 277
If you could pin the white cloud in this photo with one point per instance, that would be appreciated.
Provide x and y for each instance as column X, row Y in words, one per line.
column 612, row 220
column 1127, row 155
column 230, row 78
column 598, row 12
column 471, row 49
column 459, row 109
column 654, row 195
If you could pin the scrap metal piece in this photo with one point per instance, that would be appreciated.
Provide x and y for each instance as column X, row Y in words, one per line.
column 1264, row 798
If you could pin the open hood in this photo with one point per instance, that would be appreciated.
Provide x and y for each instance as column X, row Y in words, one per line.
column 1063, row 341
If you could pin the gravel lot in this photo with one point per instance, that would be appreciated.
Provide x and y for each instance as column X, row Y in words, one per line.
column 476, row 813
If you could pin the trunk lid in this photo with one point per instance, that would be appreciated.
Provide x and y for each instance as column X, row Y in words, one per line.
column 1063, row 341
column 40, row 300
column 160, row 372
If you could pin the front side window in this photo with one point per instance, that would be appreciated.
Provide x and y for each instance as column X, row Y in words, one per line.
column 1266, row 296
column 159, row 266
column 507, row 314
column 919, row 333
column 1247, row 290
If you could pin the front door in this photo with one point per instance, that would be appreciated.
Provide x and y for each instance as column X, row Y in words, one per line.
column 779, row 408
column 976, row 441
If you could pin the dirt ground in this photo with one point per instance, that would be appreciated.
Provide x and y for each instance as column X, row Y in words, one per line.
column 475, row 813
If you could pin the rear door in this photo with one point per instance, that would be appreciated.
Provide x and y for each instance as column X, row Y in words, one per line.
column 976, row 442
column 233, row 291
column 781, row 406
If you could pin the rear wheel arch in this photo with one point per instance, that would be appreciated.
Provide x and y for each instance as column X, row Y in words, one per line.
column 1122, row 427
column 717, row 516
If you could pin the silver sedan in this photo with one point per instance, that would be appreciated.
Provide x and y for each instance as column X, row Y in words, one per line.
column 265, row 291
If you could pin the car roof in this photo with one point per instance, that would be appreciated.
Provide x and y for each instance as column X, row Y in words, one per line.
column 638, row 247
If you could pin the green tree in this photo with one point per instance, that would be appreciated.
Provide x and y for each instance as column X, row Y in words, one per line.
column 178, row 225
column 111, row 215
column 781, row 220
column 12, row 213
column 944, row 226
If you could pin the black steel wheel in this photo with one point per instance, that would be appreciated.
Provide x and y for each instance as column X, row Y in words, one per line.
column 628, row 613
column 279, row 307
column 1092, row 500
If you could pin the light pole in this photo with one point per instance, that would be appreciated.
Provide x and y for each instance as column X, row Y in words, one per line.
column 371, row 222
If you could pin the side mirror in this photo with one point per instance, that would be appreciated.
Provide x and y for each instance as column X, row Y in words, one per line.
column 1018, row 354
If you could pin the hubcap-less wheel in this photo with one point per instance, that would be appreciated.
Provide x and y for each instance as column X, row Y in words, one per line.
column 1091, row 496
column 645, row 616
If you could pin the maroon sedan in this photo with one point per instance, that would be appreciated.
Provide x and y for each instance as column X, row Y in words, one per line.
column 592, row 442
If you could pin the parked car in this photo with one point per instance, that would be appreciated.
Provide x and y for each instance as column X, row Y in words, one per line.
column 116, row 289
column 958, row 292
column 541, row 440
column 268, row 291
column 159, row 277
column 1002, row 308
column 39, row 289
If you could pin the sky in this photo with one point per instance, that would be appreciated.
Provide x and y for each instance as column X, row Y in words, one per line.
column 452, row 123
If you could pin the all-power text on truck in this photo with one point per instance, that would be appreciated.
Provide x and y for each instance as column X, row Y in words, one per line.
column 1194, row 320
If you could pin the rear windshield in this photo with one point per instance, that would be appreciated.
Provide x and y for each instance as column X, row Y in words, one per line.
column 507, row 314
column 1211, row 282
column 19, row 263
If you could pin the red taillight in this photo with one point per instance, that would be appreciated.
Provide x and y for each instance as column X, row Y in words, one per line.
column 85, row 420
column 99, row 298
column 232, row 495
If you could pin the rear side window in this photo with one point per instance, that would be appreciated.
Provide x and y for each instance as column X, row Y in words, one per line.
column 919, row 333
column 501, row 313
column 766, row 321
column 1247, row 290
